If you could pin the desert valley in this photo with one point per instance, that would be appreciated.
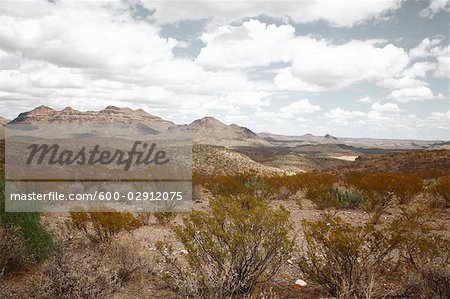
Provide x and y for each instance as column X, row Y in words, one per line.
column 324, row 217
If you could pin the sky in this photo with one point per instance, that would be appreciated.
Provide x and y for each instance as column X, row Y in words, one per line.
column 347, row 68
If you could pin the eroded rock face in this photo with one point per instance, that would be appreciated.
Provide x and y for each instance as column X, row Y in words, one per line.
column 109, row 115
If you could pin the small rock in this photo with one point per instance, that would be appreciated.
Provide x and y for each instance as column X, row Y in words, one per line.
column 300, row 283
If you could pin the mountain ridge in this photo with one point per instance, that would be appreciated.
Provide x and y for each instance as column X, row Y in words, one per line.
column 209, row 130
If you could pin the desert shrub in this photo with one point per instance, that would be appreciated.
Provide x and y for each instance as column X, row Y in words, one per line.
column 440, row 190
column 165, row 218
column 304, row 181
column 38, row 242
column 317, row 187
column 145, row 217
column 380, row 189
column 405, row 186
column 403, row 259
column 347, row 198
column 345, row 259
column 241, row 242
column 244, row 183
column 425, row 254
column 13, row 253
column 102, row 226
column 92, row 272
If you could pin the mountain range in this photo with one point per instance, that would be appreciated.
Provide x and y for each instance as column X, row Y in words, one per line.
column 222, row 148
column 211, row 131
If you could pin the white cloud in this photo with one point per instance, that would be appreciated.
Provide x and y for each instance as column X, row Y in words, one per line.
column 285, row 81
column 338, row 66
column 434, row 7
column 299, row 107
column 339, row 116
column 423, row 49
column 419, row 69
column 234, row 46
column 84, row 34
column 334, row 12
column 442, row 55
column 317, row 64
column 364, row 100
column 411, row 94
column 387, row 107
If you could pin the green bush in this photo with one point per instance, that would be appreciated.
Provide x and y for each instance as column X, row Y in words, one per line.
column 38, row 242
column 347, row 260
column 347, row 198
column 405, row 258
column 241, row 242
column 424, row 252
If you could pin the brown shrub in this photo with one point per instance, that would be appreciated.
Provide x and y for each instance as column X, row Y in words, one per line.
column 165, row 218
column 348, row 261
column 440, row 191
column 102, row 226
column 248, row 183
column 145, row 217
column 425, row 254
column 403, row 259
column 92, row 272
column 380, row 189
column 242, row 242
column 13, row 255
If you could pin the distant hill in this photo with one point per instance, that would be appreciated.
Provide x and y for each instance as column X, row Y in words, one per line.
column 328, row 136
column 363, row 143
column 423, row 162
column 109, row 115
column 208, row 159
column 209, row 130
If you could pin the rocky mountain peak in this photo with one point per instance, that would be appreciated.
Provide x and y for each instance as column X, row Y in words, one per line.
column 109, row 115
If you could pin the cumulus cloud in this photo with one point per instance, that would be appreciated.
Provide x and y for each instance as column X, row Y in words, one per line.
column 234, row 46
column 387, row 107
column 337, row 66
column 333, row 12
column 92, row 54
column 424, row 48
column 434, row 7
column 420, row 69
column 339, row 116
column 364, row 100
column 299, row 107
column 316, row 64
column 411, row 94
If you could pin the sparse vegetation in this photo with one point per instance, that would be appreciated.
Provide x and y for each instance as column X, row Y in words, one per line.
column 240, row 243
column 165, row 218
column 345, row 259
column 379, row 190
column 37, row 241
column 13, row 253
column 440, row 190
column 94, row 272
column 102, row 226
column 402, row 259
